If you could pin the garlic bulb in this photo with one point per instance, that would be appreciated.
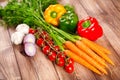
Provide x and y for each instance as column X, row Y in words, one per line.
column 17, row 37
column 23, row 28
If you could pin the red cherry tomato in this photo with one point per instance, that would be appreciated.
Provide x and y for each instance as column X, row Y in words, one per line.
column 50, row 42
column 60, row 62
column 32, row 31
column 43, row 33
column 52, row 55
column 46, row 49
column 40, row 42
column 61, row 55
column 69, row 68
column 56, row 48
column 70, row 61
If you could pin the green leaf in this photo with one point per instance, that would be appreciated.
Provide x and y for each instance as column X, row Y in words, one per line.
column 46, row 3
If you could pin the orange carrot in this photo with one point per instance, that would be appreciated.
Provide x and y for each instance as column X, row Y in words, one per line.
column 86, row 49
column 98, row 46
column 71, row 46
column 96, row 49
column 81, row 61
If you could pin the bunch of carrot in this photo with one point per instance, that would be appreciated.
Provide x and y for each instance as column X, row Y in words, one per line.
column 89, row 54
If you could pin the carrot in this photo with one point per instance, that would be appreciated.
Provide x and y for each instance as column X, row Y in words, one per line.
column 71, row 46
column 96, row 49
column 81, row 61
column 98, row 46
column 86, row 49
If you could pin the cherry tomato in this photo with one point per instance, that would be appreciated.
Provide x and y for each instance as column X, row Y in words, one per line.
column 69, row 68
column 52, row 55
column 56, row 48
column 46, row 49
column 32, row 31
column 60, row 62
column 70, row 61
column 40, row 42
column 50, row 42
column 61, row 55
column 43, row 33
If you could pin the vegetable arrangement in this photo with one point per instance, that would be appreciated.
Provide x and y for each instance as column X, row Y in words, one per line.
column 57, row 43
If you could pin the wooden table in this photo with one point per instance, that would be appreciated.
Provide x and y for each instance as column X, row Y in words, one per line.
column 15, row 66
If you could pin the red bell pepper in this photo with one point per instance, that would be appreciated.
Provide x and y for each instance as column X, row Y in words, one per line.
column 89, row 28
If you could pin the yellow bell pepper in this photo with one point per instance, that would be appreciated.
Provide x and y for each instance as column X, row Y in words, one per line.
column 53, row 13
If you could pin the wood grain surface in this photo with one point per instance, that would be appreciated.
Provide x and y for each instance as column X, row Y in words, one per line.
column 15, row 66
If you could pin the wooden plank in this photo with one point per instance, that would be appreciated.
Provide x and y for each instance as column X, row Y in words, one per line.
column 44, row 67
column 8, row 65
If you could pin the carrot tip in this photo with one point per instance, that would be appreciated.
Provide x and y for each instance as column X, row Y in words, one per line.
column 112, row 63
column 98, row 72
column 105, row 72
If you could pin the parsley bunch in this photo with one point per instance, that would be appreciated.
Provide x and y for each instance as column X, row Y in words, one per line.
column 24, row 12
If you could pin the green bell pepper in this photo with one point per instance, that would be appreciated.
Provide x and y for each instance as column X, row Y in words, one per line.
column 69, row 20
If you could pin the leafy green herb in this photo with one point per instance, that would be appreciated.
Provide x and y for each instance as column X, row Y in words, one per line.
column 46, row 3
column 16, row 13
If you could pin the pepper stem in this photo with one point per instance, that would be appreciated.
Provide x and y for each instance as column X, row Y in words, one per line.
column 53, row 14
column 86, row 24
